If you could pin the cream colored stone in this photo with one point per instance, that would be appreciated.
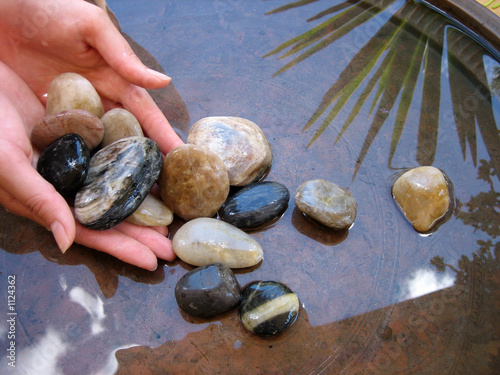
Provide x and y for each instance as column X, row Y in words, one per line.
column 73, row 91
column 422, row 196
column 239, row 143
column 152, row 213
column 119, row 123
column 204, row 241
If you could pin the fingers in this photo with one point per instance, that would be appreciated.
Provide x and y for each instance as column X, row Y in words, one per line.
column 118, row 245
column 101, row 34
column 158, row 243
column 26, row 193
column 138, row 101
column 132, row 244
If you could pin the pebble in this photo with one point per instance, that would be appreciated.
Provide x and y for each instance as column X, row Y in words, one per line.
column 327, row 203
column 193, row 182
column 120, row 177
column 205, row 240
column 152, row 213
column 119, row 123
column 65, row 163
column 208, row 291
column 78, row 121
column 268, row 308
column 73, row 91
column 422, row 196
column 240, row 144
column 255, row 205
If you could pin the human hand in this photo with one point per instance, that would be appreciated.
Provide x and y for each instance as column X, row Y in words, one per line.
column 43, row 39
column 24, row 192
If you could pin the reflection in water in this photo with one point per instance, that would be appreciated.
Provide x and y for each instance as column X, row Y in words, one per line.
column 93, row 305
column 423, row 282
column 40, row 358
column 400, row 67
column 452, row 330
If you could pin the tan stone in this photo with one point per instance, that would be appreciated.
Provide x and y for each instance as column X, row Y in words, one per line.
column 193, row 182
column 119, row 123
column 422, row 196
column 73, row 91
column 240, row 143
column 152, row 213
column 78, row 121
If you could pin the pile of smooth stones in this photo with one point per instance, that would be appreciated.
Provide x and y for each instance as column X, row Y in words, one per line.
column 215, row 183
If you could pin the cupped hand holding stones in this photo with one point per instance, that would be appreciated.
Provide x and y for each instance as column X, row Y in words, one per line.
column 77, row 37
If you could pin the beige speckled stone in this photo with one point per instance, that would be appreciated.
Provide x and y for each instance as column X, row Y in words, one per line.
column 204, row 241
column 119, row 123
column 193, row 182
column 73, row 91
column 422, row 196
column 240, row 144
column 328, row 203
column 78, row 121
column 152, row 213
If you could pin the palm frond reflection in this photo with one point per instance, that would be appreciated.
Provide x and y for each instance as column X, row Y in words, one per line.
column 385, row 72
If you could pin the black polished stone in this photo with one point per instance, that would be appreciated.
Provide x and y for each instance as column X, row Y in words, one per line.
column 255, row 205
column 65, row 163
column 268, row 308
column 208, row 291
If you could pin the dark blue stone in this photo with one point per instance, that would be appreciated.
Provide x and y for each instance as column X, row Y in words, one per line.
column 208, row 291
column 65, row 163
column 255, row 205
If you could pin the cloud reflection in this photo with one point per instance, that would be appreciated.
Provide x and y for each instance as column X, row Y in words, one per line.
column 42, row 357
column 424, row 281
column 93, row 305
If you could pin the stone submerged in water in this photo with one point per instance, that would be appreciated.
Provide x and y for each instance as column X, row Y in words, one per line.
column 423, row 197
column 193, row 182
column 65, row 163
column 120, row 177
column 73, row 91
column 205, row 240
column 267, row 308
column 327, row 203
column 208, row 291
column 255, row 205
column 240, row 143
column 77, row 121
column 151, row 213
column 119, row 123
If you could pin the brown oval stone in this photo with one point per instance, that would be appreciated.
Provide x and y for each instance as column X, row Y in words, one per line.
column 193, row 182
column 119, row 123
column 73, row 91
column 239, row 143
column 77, row 121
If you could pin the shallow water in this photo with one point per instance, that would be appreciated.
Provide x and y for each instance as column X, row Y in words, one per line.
column 399, row 89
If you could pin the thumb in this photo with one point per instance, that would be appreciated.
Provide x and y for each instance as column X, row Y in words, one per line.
column 102, row 34
column 24, row 192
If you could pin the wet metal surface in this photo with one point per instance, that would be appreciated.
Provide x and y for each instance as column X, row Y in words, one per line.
column 364, row 93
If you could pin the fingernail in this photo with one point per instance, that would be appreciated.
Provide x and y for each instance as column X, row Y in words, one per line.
column 158, row 74
column 155, row 268
column 60, row 236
